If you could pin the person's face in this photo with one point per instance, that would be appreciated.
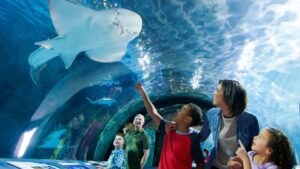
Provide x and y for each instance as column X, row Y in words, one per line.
column 260, row 142
column 218, row 96
column 77, row 121
column 81, row 118
column 139, row 121
column 119, row 142
column 182, row 114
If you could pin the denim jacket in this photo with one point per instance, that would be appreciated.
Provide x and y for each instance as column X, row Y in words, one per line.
column 247, row 128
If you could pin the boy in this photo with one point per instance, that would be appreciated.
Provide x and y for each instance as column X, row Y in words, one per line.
column 181, row 146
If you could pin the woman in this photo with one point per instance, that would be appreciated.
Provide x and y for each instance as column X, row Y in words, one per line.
column 228, row 123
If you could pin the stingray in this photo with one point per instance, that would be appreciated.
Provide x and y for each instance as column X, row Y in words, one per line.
column 103, row 35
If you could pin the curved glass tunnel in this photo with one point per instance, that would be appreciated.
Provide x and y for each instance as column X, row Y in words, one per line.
column 71, row 106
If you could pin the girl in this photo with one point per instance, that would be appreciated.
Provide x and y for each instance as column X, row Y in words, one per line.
column 271, row 149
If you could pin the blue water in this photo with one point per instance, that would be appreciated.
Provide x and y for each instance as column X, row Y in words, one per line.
column 185, row 46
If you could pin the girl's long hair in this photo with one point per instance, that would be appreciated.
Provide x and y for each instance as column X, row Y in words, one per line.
column 282, row 153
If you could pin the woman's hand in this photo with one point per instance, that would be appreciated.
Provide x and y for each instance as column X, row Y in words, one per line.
column 235, row 163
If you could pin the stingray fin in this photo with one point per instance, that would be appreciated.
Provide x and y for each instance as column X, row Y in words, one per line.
column 65, row 20
column 48, row 44
column 68, row 59
column 35, row 73
column 41, row 56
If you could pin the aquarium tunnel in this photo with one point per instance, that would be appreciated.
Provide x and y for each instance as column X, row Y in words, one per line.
column 69, row 69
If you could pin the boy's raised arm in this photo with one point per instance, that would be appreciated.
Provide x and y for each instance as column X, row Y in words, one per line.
column 148, row 104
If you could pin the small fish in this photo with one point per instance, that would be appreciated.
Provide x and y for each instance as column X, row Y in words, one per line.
column 102, row 101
